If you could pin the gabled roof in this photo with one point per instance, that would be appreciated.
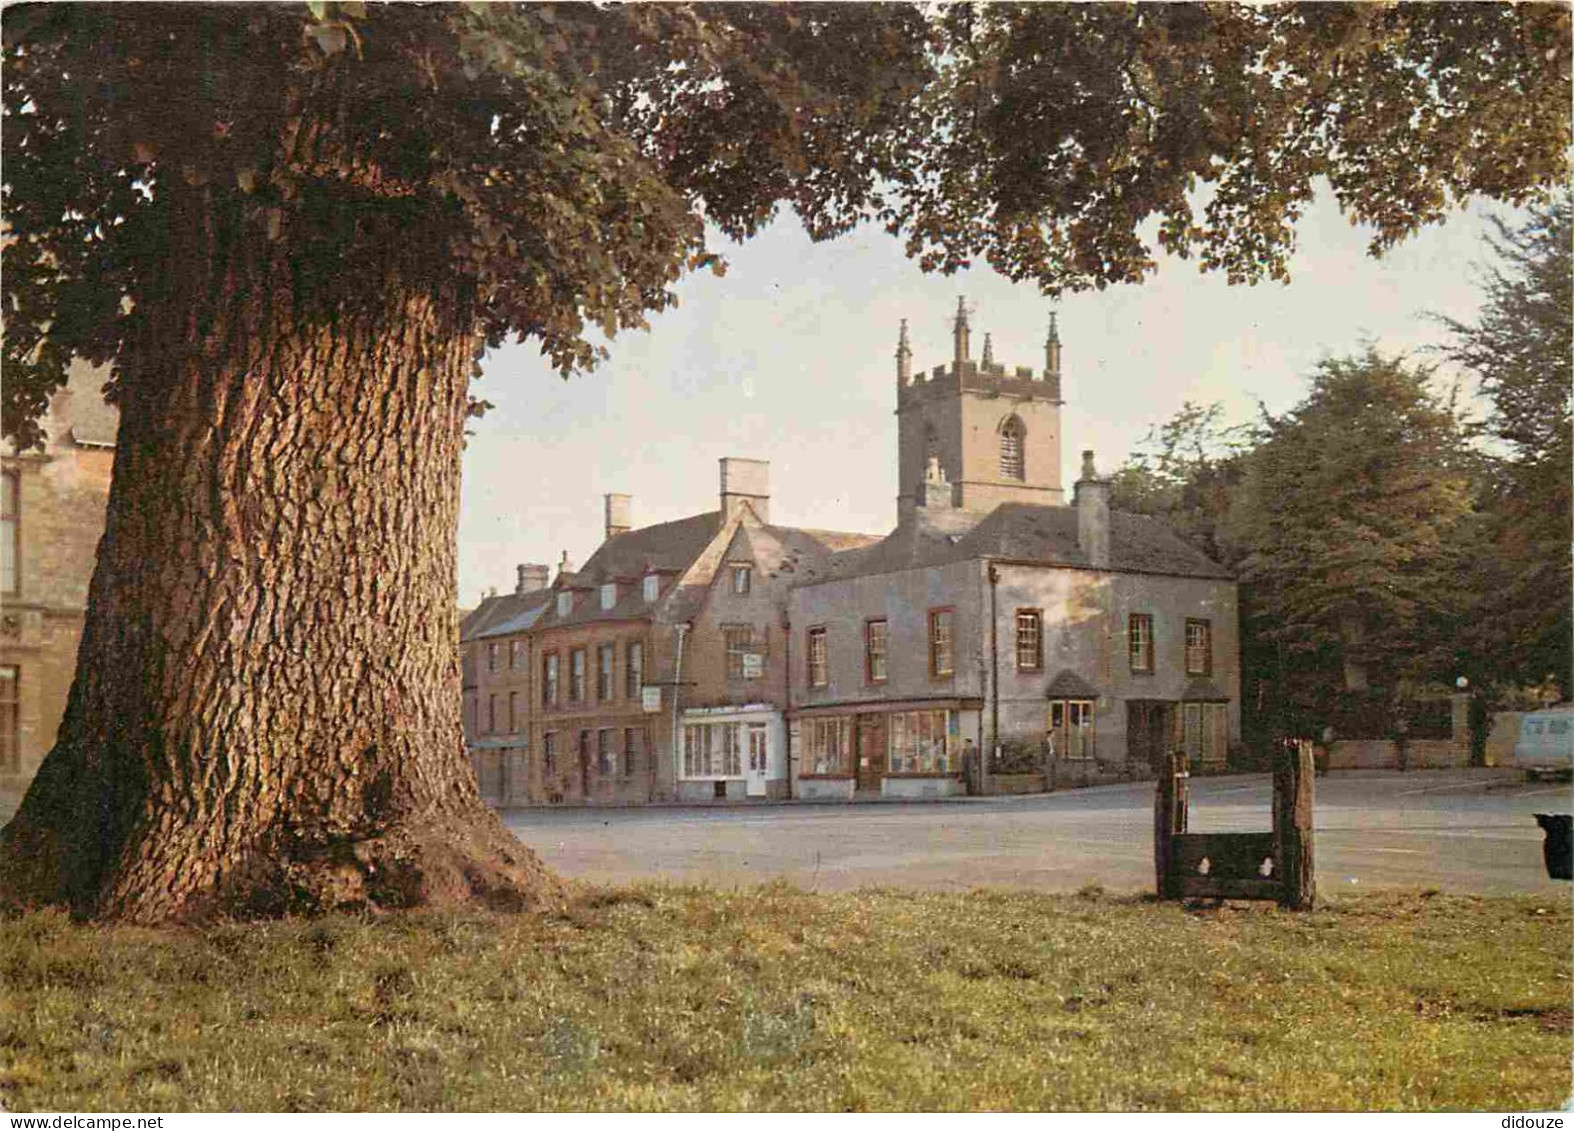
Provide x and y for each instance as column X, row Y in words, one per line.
column 1069, row 685
column 1201, row 690
column 690, row 548
column 1025, row 532
column 669, row 547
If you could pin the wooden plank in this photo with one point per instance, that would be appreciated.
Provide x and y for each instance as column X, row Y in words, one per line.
column 1169, row 817
column 1292, row 824
column 1228, row 854
column 1209, row 887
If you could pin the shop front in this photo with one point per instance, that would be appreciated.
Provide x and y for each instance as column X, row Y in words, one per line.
column 912, row 749
column 732, row 753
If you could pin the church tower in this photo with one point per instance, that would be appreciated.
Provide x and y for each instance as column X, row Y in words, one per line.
column 994, row 433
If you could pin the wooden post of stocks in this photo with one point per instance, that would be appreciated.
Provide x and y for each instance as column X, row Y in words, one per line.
column 1169, row 817
column 1292, row 824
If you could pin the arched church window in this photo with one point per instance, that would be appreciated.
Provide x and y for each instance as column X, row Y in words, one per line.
column 1011, row 435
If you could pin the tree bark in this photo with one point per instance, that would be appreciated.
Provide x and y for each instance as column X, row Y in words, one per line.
column 265, row 717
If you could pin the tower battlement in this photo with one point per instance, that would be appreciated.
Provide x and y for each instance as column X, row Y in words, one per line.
column 991, row 430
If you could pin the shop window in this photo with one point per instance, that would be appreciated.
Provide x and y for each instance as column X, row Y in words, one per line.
column 828, row 745
column 921, row 742
column 713, row 750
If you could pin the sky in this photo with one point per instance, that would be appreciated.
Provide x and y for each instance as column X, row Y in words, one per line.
column 790, row 359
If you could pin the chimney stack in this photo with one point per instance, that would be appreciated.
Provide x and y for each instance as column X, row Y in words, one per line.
column 564, row 566
column 745, row 481
column 620, row 509
column 532, row 576
column 1092, row 503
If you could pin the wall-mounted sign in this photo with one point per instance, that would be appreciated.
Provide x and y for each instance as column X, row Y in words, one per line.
column 753, row 665
column 650, row 699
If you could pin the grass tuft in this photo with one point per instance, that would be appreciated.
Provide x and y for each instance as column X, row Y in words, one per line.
column 662, row 997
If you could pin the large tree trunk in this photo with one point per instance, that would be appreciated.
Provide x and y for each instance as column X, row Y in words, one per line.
column 266, row 711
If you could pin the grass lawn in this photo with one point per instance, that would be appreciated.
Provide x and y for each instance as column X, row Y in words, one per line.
column 662, row 997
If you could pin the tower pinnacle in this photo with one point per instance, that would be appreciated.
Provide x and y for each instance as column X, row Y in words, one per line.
column 961, row 334
column 989, row 353
column 904, row 357
column 1052, row 350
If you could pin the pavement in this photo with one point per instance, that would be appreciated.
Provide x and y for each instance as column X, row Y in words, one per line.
column 1465, row 831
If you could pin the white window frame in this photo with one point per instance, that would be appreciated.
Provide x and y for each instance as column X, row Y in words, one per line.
column 651, row 587
column 609, row 595
column 1073, row 729
column 565, row 603
column 742, row 580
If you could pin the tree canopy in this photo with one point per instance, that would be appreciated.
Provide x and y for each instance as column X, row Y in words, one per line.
column 1518, row 347
column 558, row 163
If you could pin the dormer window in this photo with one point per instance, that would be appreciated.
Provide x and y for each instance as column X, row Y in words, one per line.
column 1011, row 436
column 652, row 587
column 565, row 603
column 742, row 575
column 609, row 595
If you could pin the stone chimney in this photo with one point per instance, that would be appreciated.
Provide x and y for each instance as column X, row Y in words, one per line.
column 532, row 577
column 564, row 565
column 620, row 509
column 1092, row 503
column 745, row 481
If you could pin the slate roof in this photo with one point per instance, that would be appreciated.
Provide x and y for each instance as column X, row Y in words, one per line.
column 1069, row 685
column 672, row 548
column 1025, row 532
column 494, row 616
column 668, row 546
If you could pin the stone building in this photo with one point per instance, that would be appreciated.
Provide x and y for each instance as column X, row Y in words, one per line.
column 723, row 656
column 52, row 505
column 993, row 614
column 658, row 670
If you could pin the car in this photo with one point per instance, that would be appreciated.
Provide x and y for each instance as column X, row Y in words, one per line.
column 1546, row 742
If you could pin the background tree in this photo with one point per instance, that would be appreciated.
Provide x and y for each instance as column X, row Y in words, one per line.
column 292, row 232
column 1352, row 517
column 1519, row 349
column 1186, row 472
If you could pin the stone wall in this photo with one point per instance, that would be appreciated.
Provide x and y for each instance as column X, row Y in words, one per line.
column 63, row 492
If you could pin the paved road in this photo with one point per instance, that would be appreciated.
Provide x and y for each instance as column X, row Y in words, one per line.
column 1460, row 831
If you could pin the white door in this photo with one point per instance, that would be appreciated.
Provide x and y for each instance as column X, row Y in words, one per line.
column 754, row 778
